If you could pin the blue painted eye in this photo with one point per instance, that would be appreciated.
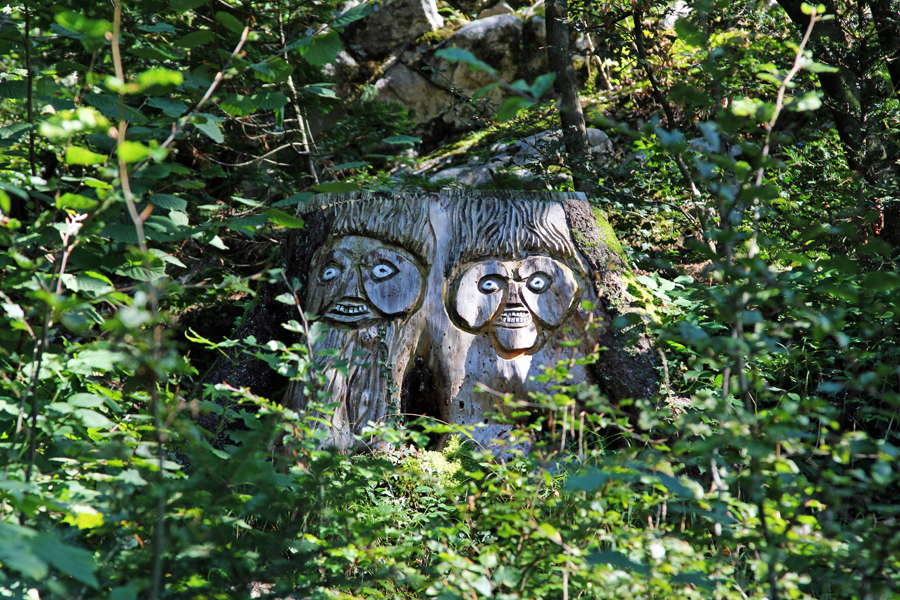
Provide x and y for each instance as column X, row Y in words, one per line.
column 539, row 283
column 383, row 271
column 489, row 285
column 329, row 274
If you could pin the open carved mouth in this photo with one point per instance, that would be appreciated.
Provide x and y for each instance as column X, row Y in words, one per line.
column 514, row 317
column 349, row 310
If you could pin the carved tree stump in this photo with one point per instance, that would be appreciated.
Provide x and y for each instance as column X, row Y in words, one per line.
column 430, row 296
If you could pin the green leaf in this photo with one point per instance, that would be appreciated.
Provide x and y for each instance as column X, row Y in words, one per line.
column 322, row 49
column 269, row 100
column 168, row 201
column 179, row 218
column 77, row 563
column 183, row 5
column 109, row 106
column 617, row 559
column 154, row 54
column 212, row 130
column 337, row 187
column 354, row 14
column 881, row 281
column 689, row 32
column 157, row 81
column 14, row 89
column 76, row 155
column 273, row 71
column 17, row 553
column 350, row 165
column 91, row 281
column 511, row 107
column 320, row 89
column 542, row 84
column 85, row 400
column 5, row 203
column 229, row 21
column 285, row 220
column 171, row 108
column 157, row 28
column 146, row 270
column 461, row 55
column 402, row 139
column 237, row 105
column 93, row 30
column 13, row 133
column 295, row 199
column 195, row 38
column 132, row 152
column 75, row 201
column 808, row 101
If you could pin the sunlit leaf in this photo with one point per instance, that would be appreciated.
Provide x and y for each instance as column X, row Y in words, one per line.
column 76, row 155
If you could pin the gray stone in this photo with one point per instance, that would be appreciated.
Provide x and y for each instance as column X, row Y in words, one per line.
column 494, row 40
column 472, row 176
column 413, row 90
column 501, row 8
column 392, row 26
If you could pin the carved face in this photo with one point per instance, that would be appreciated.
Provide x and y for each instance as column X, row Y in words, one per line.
column 516, row 303
column 356, row 279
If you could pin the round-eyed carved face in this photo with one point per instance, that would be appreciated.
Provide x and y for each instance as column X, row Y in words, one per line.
column 516, row 302
column 356, row 279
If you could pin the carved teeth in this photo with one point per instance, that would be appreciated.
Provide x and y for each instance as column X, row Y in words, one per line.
column 514, row 317
column 349, row 309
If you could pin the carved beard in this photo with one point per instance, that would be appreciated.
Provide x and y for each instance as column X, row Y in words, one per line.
column 363, row 387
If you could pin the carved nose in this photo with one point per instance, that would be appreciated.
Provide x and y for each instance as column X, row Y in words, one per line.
column 351, row 285
column 515, row 297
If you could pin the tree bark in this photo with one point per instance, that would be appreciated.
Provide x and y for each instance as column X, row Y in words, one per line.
column 571, row 115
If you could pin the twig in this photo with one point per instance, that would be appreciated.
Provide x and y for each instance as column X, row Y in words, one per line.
column 31, row 159
column 123, row 166
column 770, row 127
column 179, row 125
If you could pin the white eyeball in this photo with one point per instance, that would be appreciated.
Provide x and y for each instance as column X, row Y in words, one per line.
column 383, row 271
column 329, row 274
column 488, row 285
column 538, row 283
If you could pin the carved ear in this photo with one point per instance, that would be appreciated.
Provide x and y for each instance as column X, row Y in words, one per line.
column 392, row 282
column 326, row 280
column 549, row 289
column 480, row 293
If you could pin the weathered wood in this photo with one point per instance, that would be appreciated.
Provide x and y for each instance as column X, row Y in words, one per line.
column 430, row 298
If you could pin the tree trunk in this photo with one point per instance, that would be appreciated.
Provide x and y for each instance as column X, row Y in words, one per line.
column 430, row 297
column 571, row 115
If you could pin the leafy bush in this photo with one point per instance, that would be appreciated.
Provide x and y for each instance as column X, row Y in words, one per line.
column 152, row 154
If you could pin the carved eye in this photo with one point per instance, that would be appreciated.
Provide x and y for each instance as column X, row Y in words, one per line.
column 383, row 270
column 489, row 285
column 329, row 273
column 539, row 282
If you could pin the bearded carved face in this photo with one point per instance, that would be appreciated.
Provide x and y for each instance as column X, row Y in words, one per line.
column 356, row 280
column 517, row 303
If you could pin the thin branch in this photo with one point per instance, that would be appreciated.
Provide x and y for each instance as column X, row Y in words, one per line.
column 123, row 166
column 31, row 159
column 770, row 128
column 179, row 126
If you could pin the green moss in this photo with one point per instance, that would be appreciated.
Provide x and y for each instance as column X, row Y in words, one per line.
column 436, row 37
column 446, row 467
column 608, row 235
